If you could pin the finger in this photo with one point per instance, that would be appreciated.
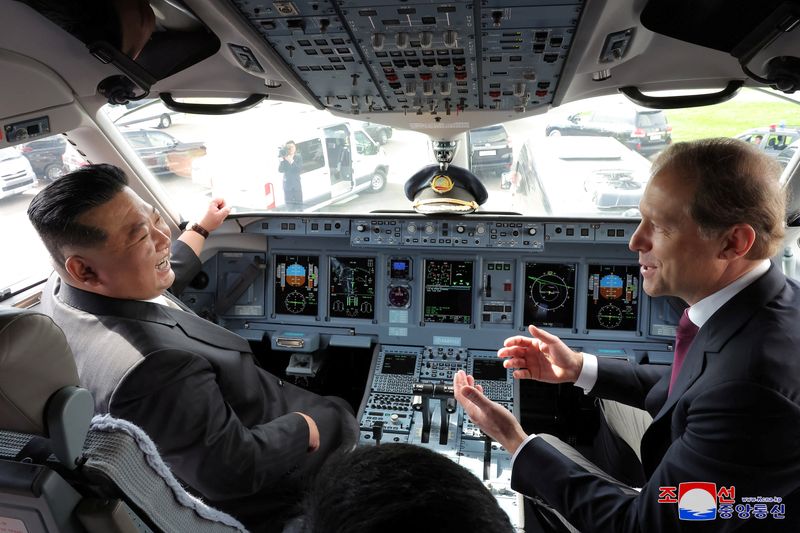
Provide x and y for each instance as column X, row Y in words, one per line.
column 522, row 373
column 542, row 335
column 470, row 380
column 515, row 362
column 515, row 351
column 517, row 340
column 479, row 387
column 476, row 397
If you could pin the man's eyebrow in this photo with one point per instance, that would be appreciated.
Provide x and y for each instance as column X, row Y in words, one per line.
column 132, row 233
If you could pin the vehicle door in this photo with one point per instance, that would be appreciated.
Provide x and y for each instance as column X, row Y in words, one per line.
column 161, row 146
column 338, row 145
column 315, row 174
column 364, row 157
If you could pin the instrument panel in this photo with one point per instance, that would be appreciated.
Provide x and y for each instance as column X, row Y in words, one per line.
column 388, row 280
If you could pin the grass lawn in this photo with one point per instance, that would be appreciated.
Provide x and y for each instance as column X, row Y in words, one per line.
column 747, row 111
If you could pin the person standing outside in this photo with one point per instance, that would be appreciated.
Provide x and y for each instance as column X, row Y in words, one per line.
column 291, row 166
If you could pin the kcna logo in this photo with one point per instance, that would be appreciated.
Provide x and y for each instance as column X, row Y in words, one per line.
column 697, row 500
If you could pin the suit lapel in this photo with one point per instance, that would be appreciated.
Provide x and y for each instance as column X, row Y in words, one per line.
column 712, row 337
column 207, row 332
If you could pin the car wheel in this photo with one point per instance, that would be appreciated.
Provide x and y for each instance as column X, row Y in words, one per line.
column 53, row 172
column 383, row 138
column 165, row 121
column 378, row 181
column 554, row 133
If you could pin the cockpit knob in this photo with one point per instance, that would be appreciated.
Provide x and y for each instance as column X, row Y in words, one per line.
column 361, row 228
column 460, row 229
column 394, row 418
column 377, row 41
column 425, row 39
column 531, row 231
column 401, row 40
column 450, row 38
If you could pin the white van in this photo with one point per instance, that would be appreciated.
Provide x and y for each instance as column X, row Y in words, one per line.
column 16, row 174
column 339, row 159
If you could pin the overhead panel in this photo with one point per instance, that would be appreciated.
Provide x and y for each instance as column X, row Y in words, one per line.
column 421, row 57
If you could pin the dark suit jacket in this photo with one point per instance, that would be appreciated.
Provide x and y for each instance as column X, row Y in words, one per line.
column 225, row 426
column 733, row 419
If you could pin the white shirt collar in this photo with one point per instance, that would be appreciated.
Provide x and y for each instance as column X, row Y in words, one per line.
column 700, row 312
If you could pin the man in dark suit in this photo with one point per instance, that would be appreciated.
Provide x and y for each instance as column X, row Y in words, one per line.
column 240, row 437
column 728, row 410
column 292, row 166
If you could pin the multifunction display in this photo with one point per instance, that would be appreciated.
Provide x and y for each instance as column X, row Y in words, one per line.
column 352, row 287
column 489, row 369
column 550, row 295
column 448, row 291
column 297, row 284
column 613, row 297
column 399, row 364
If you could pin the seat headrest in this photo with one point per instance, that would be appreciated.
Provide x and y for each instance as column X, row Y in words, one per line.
column 35, row 362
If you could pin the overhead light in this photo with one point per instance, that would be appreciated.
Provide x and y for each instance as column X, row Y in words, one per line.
column 272, row 84
column 601, row 75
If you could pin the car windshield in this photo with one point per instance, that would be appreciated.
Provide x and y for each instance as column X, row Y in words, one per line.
column 347, row 166
column 544, row 165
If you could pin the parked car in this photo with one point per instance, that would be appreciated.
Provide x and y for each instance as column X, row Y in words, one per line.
column 379, row 133
column 578, row 175
column 644, row 130
column 150, row 113
column 52, row 157
column 163, row 153
column 16, row 174
column 46, row 156
column 772, row 139
column 786, row 155
column 490, row 151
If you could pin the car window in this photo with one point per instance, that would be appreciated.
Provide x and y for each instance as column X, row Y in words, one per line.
column 160, row 140
column 137, row 139
column 311, row 154
column 488, row 135
column 650, row 120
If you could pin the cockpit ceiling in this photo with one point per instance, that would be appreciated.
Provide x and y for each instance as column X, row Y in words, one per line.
column 358, row 56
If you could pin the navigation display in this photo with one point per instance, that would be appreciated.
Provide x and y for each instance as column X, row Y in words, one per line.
column 613, row 297
column 448, row 292
column 352, row 287
column 296, row 284
column 550, row 295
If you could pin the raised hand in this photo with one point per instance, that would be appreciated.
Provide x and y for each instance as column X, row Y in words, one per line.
column 215, row 215
column 493, row 419
column 543, row 357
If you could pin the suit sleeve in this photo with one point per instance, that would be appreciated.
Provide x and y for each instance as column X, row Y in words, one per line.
column 739, row 434
column 185, row 265
column 199, row 435
column 626, row 382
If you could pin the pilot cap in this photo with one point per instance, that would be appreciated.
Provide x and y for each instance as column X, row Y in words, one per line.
column 455, row 190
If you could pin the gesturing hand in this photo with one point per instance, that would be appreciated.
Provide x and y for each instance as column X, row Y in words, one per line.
column 215, row 215
column 543, row 358
column 491, row 417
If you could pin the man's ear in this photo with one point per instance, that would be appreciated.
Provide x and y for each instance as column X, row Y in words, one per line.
column 79, row 270
column 737, row 241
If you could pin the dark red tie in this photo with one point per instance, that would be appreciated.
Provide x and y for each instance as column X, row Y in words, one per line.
column 684, row 336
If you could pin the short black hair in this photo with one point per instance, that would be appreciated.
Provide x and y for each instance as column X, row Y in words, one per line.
column 374, row 489
column 55, row 210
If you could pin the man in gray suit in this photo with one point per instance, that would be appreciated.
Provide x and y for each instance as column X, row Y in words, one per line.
column 238, row 436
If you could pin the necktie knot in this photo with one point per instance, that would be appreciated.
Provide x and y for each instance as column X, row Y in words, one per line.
column 684, row 336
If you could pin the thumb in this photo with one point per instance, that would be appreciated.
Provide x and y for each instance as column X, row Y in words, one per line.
column 476, row 397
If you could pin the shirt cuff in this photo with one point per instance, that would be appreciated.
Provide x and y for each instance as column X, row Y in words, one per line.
column 524, row 443
column 588, row 375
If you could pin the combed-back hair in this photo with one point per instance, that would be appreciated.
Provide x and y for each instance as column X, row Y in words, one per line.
column 380, row 489
column 55, row 210
column 735, row 183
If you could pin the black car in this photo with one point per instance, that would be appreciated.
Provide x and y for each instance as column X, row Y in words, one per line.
column 379, row 133
column 490, row 151
column 163, row 153
column 644, row 130
column 46, row 156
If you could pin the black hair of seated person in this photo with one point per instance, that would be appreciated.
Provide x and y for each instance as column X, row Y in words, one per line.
column 55, row 210
column 88, row 20
column 399, row 487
